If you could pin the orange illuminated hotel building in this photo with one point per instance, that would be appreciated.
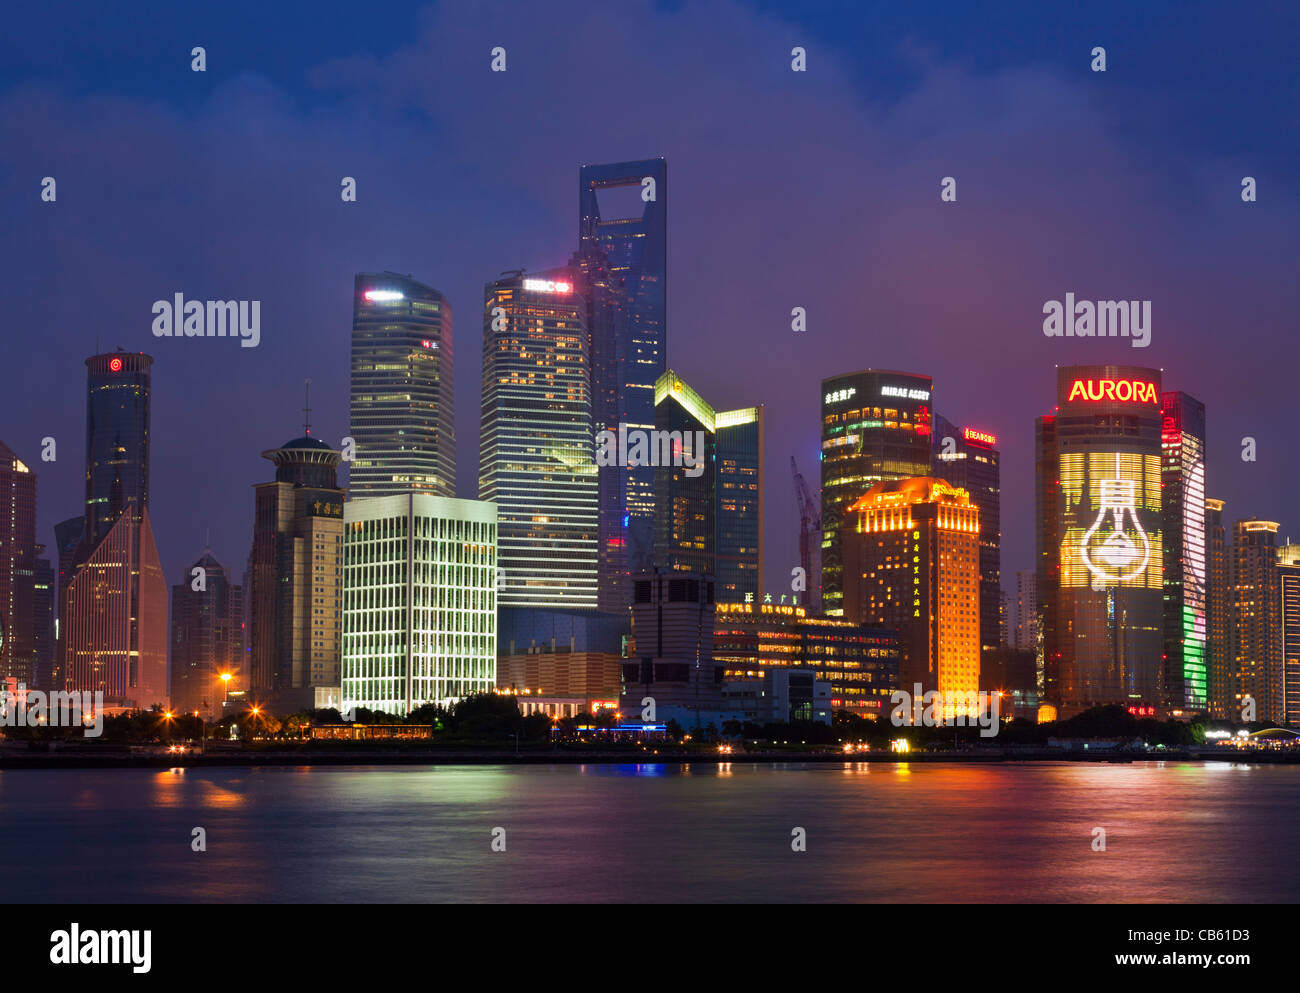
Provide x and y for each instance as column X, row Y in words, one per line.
column 911, row 562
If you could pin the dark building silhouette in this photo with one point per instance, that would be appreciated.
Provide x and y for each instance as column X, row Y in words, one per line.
column 207, row 638
column 623, row 260
column 17, row 567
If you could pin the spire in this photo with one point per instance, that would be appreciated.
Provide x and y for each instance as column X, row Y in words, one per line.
column 306, row 410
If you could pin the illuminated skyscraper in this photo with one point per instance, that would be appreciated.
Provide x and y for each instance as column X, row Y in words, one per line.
column 419, row 601
column 536, row 444
column 876, row 427
column 708, row 489
column 17, row 568
column 738, row 435
column 113, row 612
column 1288, row 575
column 1256, row 622
column 1218, row 612
column 402, row 406
column 1101, row 550
column 685, row 492
column 1186, row 673
column 972, row 462
column 293, row 579
column 115, row 616
column 45, row 588
column 622, row 259
column 911, row 563
column 207, row 638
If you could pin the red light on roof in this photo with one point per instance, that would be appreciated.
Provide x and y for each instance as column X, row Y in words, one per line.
column 115, row 365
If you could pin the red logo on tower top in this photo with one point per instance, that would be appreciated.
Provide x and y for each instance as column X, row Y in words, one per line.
column 115, row 365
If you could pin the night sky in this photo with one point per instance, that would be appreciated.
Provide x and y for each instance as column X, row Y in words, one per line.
column 817, row 189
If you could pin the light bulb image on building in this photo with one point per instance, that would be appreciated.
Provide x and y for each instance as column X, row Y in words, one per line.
column 1116, row 555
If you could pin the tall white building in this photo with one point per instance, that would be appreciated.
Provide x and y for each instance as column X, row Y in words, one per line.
column 419, row 601
column 536, row 445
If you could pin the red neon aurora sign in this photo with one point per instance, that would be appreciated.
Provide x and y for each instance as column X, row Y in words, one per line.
column 1123, row 390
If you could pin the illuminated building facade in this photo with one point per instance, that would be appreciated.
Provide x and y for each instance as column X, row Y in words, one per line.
column 972, row 462
column 1186, row 672
column 738, row 435
column 860, row 663
column 911, row 563
column 685, row 536
column 17, row 568
column 402, row 407
column 622, row 259
column 293, row 580
column 876, row 427
column 1256, row 621
column 419, row 601
column 44, row 590
column 115, row 619
column 1288, row 576
column 113, row 609
column 1218, row 612
column 536, row 454
column 207, row 638
column 561, row 653
column 1101, row 550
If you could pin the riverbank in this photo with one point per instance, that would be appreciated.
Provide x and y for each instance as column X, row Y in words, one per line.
column 216, row 757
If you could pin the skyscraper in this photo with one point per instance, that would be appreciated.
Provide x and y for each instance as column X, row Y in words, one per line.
column 1025, row 636
column 207, row 638
column 911, row 563
column 419, row 601
column 293, row 579
column 402, row 403
column 1256, row 622
column 623, row 261
column 738, row 519
column 1186, row 675
column 969, row 459
column 708, row 489
column 1101, row 552
column 119, row 387
column 115, row 619
column 536, row 454
column 1218, row 612
column 17, row 568
column 43, row 647
column 876, row 427
column 685, row 483
column 1288, row 575
column 113, row 610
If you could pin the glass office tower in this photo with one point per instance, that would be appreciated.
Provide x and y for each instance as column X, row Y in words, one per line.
column 973, row 463
column 117, row 440
column 876, row 427
column 402, row 403
column 623, row 266
column 1101, row 578
column 1186, row 669
column 738, row 436
column 536, row 444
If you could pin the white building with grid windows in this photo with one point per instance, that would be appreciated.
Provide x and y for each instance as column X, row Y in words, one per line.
column 419, row 601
